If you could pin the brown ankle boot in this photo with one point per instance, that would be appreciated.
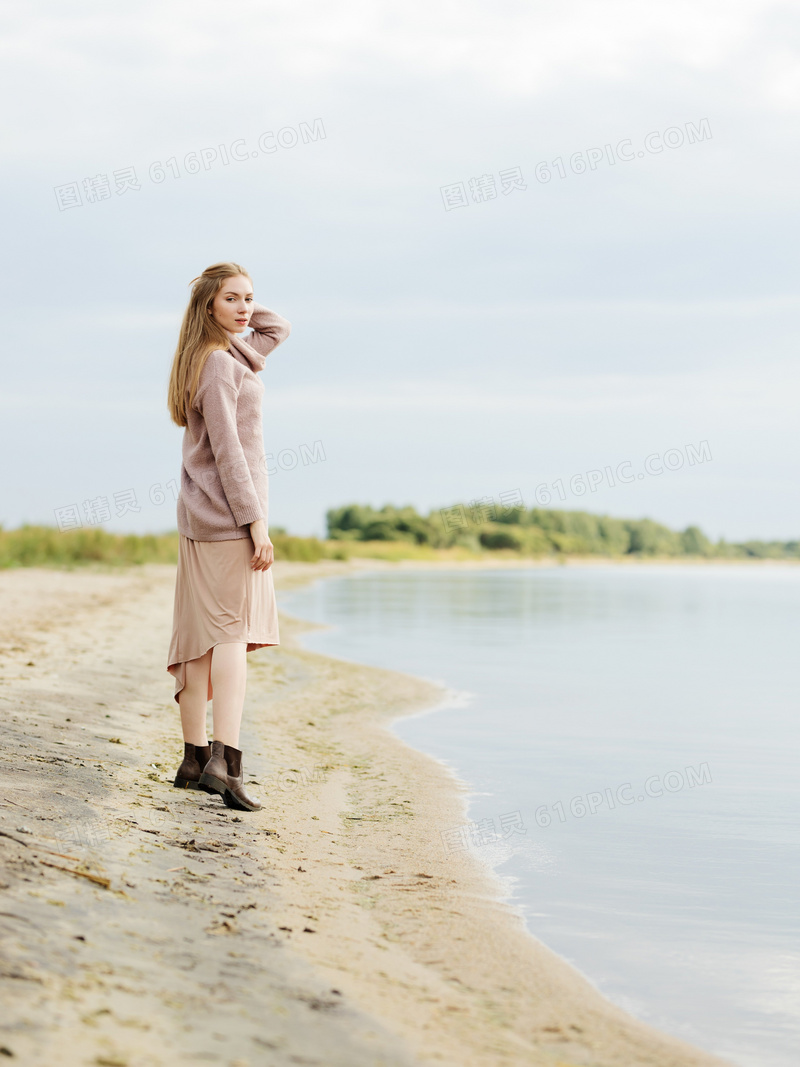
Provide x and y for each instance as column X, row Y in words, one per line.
column 223, row 774
column 195, row 757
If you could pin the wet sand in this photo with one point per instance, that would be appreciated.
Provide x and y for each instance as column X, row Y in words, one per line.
column 144, row 925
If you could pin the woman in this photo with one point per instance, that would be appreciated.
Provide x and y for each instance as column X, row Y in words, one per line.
column 224, row 596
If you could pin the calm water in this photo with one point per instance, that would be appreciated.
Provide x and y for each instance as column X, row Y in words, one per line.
column 631, row 739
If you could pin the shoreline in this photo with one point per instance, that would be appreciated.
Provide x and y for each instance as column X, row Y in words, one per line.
column 488, row 562
column 369, row 943
column 618, row 1037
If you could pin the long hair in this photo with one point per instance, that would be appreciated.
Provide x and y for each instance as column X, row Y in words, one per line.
column 200, row 336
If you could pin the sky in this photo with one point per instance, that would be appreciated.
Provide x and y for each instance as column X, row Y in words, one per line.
column 529, row 252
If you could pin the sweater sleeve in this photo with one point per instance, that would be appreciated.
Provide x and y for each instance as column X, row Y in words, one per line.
column 269, row 329
column 217, row 404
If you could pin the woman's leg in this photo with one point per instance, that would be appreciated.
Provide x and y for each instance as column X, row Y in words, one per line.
column 228, row 681
column 193, row 700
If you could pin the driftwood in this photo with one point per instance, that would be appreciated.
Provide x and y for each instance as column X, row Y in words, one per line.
column 39, row 848
column 104, row 882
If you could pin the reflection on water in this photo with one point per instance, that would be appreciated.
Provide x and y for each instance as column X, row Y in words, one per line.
column 631, row 737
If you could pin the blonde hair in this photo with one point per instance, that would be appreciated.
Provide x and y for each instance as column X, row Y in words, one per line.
column 200, row 336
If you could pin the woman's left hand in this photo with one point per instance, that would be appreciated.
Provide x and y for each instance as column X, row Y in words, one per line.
column 264, row 554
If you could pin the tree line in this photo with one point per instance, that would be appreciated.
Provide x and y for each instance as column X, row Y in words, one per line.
column 539, row 532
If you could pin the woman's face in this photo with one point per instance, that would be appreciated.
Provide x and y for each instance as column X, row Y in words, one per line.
column 233, row 304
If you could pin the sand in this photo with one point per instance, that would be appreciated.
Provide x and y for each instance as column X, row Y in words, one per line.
column 144, row 925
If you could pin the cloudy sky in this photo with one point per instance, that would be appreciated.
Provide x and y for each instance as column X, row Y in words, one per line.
column 517, row 243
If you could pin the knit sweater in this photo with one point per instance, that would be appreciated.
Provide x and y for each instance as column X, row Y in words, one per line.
column 224, row 483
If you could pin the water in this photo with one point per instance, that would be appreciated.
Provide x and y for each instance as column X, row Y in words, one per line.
column 630, row 736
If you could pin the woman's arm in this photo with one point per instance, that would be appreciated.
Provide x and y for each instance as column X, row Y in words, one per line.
column 216, row 402
column 269, row 329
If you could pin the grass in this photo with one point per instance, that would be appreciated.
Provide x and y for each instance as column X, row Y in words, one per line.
column 46, row 546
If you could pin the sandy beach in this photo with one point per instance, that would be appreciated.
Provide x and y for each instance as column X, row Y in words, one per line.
column 143, row 925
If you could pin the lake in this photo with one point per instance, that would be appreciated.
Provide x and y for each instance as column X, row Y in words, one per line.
column 630, row 738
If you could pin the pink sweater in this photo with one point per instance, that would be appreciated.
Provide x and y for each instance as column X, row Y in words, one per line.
column 224, row 484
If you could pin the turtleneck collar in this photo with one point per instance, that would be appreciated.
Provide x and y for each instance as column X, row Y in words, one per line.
column 246, row 353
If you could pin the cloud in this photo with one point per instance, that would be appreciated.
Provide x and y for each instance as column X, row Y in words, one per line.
column 99, row 70
column 698, row 393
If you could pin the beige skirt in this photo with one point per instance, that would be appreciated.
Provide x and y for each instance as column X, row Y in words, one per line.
column 219, row 598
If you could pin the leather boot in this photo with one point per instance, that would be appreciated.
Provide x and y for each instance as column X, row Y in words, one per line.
column 223, row 774
column 195, row 757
